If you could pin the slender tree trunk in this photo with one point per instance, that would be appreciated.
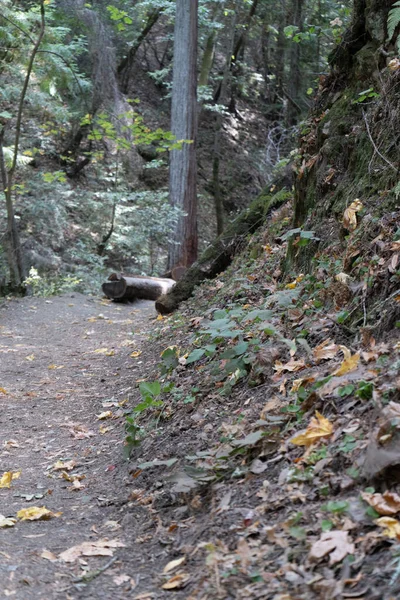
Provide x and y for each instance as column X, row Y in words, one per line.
column 182, row 184
column 124, row 69
column 208, row 54
column 294, row 83
column 280, row 53
column 218, row 199
column 15, row 260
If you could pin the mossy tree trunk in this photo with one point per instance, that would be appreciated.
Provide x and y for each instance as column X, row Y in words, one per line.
column 221, row 253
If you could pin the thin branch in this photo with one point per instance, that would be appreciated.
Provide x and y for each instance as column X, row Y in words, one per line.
column 375, row 146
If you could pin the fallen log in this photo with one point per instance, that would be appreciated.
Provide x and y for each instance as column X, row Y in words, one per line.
column 220, row 254
column 120, row 287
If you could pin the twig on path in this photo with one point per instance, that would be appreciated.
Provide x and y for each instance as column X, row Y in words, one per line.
column 90, row 575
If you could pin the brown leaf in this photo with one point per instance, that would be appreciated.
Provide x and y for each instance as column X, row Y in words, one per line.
column 335, row 543
column 349, row 217
column 326, row 350
column 292, row 366
column 96, row 548
column 384, row 504
column 177, row 581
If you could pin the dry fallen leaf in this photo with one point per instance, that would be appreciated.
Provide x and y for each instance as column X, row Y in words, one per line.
column 335, row 543
column 392, row 527
column 384, row 504
column 136, row 354
column 121, row 579
column 105, row 415
column 349, row 364
column 318, row 428
column 298, row 383
column 30, row 357
column 292, row 365
column 49, row 556
column 7, row 477
column 3, row 391
column 349, row 217
column 36, row 513
column 7, row 521
column 326, row 350
column 96, row 548
column 177, row 581
column 104, row 351
column 61, row 465
column 173, row 564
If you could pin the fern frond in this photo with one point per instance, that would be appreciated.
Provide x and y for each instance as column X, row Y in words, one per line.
column 22, row 160
column 393, row 19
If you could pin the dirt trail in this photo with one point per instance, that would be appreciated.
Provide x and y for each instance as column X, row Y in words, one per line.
column 56, row 385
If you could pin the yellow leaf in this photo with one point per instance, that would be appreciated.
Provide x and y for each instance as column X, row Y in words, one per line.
column 291, row 286
column 349, row 364
column 105, row 415
column 104, row 351
column 177, row 581
column 392, row 527
column 349, row 216
column 298, row 383
column 3, row 391
column 160, row 318
column 36, row 513
column 30, row 357
column 92, row 319
column 136, row 354
column 103, row 429
column 318, row 428
column 52, row 367
column 7, row 477
column 64, row 465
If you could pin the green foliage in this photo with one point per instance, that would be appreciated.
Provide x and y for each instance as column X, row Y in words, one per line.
column 393, row 21
column 49, row 286
column 368, row 94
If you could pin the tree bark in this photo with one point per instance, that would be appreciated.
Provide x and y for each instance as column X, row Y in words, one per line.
column 182, row 185
column 220, row 254
column 15, row 260
column 136, row 288
column 294, row 83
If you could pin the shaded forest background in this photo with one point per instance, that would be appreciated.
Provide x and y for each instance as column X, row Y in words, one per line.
column 90, row 187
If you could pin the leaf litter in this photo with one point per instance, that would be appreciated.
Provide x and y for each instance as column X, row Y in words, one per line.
column 224, row 484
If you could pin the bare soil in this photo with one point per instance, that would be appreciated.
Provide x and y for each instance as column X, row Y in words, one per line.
column 54, row 387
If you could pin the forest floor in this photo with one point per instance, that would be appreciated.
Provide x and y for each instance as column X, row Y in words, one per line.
column 263, row 424
column 63, row 362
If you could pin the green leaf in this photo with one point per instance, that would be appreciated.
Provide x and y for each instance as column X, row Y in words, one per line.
column 150, row 389
column 393, row 19
column 326, row 525
column 195, row 355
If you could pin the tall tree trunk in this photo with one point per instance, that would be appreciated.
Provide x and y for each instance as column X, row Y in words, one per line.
column 218, row 199
column 208, row 54
column 183, row 175
column 14, row 252
column 294, row 83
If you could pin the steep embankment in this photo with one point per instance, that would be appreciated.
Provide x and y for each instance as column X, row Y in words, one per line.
column 279, row 420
